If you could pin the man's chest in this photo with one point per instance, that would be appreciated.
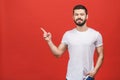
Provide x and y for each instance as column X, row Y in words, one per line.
column 81, row 40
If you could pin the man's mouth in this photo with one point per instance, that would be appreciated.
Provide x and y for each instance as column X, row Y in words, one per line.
column 79, row 20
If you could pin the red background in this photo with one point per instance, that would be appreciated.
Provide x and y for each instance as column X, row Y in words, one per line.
column 24, row 55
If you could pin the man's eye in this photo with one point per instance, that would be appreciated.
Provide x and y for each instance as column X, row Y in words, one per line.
column 82, row 14
column 76, row 14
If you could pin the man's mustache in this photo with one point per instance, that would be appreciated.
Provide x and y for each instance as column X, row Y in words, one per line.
column 79, row 19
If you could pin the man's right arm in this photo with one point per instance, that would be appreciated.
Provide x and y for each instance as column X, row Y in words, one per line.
column 57, row 51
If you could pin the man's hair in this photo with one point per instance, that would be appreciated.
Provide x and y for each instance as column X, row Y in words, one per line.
column 80, row 7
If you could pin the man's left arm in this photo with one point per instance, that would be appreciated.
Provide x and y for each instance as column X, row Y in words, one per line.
column 99, row 61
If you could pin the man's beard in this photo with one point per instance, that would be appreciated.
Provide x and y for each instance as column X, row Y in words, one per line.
column 79, row 23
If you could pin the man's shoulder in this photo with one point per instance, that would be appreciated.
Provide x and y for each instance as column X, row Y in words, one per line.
column 93, row 30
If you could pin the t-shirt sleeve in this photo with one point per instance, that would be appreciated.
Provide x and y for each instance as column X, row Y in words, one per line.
column 99, row 40
column 65, row 39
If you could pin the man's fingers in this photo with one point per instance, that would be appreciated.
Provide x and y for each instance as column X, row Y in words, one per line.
column 43, row 30
column 87, row 74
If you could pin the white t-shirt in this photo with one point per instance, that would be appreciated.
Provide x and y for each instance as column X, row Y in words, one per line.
column 81, row 47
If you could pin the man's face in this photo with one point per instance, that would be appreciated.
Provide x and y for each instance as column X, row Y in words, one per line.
column 80, row 17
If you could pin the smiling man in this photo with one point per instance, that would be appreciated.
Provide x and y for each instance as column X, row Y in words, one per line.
column 81, row 43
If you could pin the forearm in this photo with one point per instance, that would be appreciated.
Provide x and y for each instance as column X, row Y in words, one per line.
column 99, row 62
column 54, row 49
column 97, row 66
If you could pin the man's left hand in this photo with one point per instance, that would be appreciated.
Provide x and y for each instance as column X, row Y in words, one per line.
column 91, row 73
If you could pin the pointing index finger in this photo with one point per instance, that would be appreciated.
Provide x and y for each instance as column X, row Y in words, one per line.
column 43, row 30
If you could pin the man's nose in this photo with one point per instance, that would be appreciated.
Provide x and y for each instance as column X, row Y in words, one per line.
column 79, row 16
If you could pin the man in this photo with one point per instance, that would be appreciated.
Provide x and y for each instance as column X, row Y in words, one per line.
column 81, row 43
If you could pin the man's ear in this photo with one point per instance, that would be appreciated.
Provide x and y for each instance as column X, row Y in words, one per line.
column 87, row 16
column 73, row 18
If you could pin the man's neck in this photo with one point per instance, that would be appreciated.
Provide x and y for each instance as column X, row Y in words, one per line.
column 82, row 28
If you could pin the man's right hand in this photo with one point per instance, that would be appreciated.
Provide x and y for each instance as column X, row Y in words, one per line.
column 47, row 35
column 57, row 51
